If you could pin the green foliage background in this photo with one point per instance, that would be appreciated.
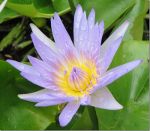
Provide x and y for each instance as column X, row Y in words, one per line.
column 130, row 90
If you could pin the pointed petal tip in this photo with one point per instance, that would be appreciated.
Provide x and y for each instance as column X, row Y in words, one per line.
column 56, row 14
column 125, row 25
column 101, row 24
column 127, row 22
column 135, row 63
column 78, row 7
column 61, row 123
column 56, row 17
column 22, row 96
column 9, row 61
column 121, row 107
column 31, row 24
column 2, row 5
column 68, row 112
column 138, row 62
column 78, row 11
column 92, row 11
column 33, row 27
column 120, row 31
column 35, row 30
column 118, row 107
column 14, row 63
column 92, row 14
column 30, row 58
column 38, row 105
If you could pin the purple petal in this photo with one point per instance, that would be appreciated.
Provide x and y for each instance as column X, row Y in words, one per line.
column 77, row 20
column 93, row 44
column 40, row 81
column 91, row 19
column 45, row 96
column 85, row 100
column 37, row 96
column 83, row 29
column 115, row 35
column 87, row 34
column 89, row 38
column 50, row 102
column 95, row 37
column 39, row 65
column 39, row 45
column 48, row 71
column 46, row 53
column 95, row 34
column 81, row 42
column 109, row 54
column 68, row 112
column 101, row 30
column 115, row 73
column 43, row 38
column 23, row 67
column 2, row 5
column 61, row 36
column 103, row 98
column 110, row 41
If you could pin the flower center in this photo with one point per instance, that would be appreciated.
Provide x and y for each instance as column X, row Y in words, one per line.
column 78, row 79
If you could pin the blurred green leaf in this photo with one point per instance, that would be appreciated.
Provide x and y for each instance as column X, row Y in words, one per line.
column 60, row 5
column 24, row 7
column 38, row 8
column 107, row 10
column 85, row 122
column 7, row 14
column 136, row 18
column 56, row 125
column 16, row 114
column 130, row 90
column 40, row 22
column 43, row 6
column 81, row 121
column 11, row 36
column 24, row 44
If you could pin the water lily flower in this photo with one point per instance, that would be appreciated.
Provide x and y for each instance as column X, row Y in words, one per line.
column 74, row 73
column 2, row 5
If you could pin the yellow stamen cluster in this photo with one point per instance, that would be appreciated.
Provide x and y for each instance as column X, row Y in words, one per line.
column 78, row 77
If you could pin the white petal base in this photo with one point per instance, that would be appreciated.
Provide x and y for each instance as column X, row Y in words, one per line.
column 103, row 98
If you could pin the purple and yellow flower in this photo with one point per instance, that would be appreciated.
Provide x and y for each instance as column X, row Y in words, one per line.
column 74, row 72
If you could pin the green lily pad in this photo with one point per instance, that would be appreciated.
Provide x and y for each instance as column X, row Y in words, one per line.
column 38, row 8
column 130, row 90
column 16, row 114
